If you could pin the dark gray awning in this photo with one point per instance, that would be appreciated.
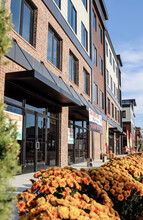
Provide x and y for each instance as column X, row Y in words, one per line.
column 43, row 89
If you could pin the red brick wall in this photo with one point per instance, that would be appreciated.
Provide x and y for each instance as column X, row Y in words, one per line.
column 98, row 78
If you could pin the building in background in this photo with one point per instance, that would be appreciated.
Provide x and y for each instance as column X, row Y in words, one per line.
column 128, row 118
column 113, row 86
column 138, row 137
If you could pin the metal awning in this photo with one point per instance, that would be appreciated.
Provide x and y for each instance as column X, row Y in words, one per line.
column 43, row 89
column 115, row 130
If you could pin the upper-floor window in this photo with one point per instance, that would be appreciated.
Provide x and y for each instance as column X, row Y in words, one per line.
column 108, row 105
column 84, row 39
column 54, row 48
column 73, row 68
column 94, row 55
column 123, row 114
column 94, row 20
column 115, row 113
column 100, row 34
column 114, row 89
column 85, row 3
column 110, row 57
column 95, row 96
column 107, row 77
column 58, row 2
column 86, row 82
column 114, row 65
column 23, row 19
column 111, row 83
column 101, row 65
column 118, row 116
column 112, row 110
column 106, row 49
column 72, row 16
column 101, row 100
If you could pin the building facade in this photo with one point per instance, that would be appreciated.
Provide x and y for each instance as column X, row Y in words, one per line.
column 113, row 85
column 128, row 117
column 138, row 137
column 56, row 81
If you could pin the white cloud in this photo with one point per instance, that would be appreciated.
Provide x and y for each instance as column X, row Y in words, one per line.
column 132, row 74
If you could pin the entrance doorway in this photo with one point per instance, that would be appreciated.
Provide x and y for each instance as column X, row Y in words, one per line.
column 35, row 144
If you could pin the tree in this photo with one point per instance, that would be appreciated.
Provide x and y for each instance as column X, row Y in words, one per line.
column 9, row 148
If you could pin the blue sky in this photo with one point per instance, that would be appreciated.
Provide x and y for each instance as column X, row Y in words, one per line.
column 125, row 27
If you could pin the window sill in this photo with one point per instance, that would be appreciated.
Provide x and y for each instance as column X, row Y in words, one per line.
column 56, row 68
column 19, row 36
column 73, row 83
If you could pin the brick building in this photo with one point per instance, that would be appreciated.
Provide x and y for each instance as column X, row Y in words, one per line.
column 128, row 118
column 55, row 81
column 113, row 85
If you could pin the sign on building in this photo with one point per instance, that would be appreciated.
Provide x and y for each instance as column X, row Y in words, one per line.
column 95, row 121
column 16, row 118
column 70, row 136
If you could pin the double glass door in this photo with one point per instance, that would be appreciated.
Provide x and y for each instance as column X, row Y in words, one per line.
column 35, row 144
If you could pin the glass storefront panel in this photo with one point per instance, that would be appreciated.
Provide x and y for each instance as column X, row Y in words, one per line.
column 41, row 140
column 30, row 141
column 51, row 141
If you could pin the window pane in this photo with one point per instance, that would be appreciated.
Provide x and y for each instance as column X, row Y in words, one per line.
column 69, row 11
column 50, row 46
column 82, row 34
column 55, row 52
column 74, row 20
column 70, row 67
column 26, row 23
column 15, row 10
column 58, row 3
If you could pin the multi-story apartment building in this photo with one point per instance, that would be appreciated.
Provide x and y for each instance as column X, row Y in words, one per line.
column 48, row 85
column 128, row 118
column 113, row 85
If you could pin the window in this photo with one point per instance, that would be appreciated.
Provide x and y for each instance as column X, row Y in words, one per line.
column 85, row 3
column 86, row 82
column 110, row 57
column 84, row 36
column 94, row 55
column 73, row 68
column 114, row 65
column 111, row 86
column 58, row 2
column 112, row 110
column 72, row 15
column 94, row 20
column 100, row 34
column 108, row 105
column 95, row 97
column 107, row 77
column 123, row 114
column 106, row 49
column 101, row 100
column 124, row 129
column 54, row 48
column 118, row 117
column 114, row 88
column 23, row 19
column 115, row 113
column 101, row 65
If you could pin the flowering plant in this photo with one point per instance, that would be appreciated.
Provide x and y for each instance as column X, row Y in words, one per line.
column 122, row 187
column 65, row 193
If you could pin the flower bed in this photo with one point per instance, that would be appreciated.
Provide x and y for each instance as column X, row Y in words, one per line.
column 121, row 178
column 100, row 193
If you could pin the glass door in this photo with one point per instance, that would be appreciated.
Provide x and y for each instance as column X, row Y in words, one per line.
column 40, row 142
column 30, row 143
column 35, row 144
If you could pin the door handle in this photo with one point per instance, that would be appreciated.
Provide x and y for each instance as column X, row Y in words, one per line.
column 37, row 145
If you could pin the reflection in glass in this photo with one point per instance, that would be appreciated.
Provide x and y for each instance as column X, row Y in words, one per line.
column 15, row 10
column 26, row 23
